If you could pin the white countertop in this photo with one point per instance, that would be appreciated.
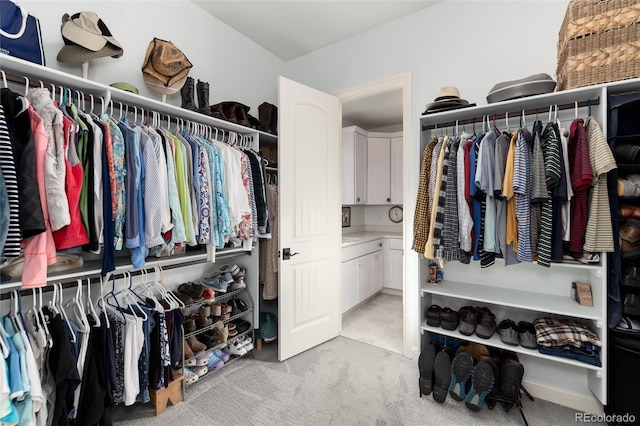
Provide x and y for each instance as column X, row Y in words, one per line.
column 365, row 236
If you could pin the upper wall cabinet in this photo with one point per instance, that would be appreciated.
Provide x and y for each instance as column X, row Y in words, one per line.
column 354, row 165
column 384, row 168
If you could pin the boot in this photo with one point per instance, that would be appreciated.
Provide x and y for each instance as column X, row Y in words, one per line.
column 188, row 101
column 202, row 89
column 268, row 115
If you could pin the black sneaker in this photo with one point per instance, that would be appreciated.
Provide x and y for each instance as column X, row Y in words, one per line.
column 511, row 372
column 468, row 320
column 486, row 323
column 433, row 315
column 483, row 380
column 425, row 365
column 461, row 369
column 448, row 319
column 442, row 375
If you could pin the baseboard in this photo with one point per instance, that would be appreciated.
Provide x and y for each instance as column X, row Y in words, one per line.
column 391, row 291
column 586, row 403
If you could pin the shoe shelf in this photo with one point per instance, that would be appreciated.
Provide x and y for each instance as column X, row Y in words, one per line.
column 520, row 299
column 494, row 341
column 232, row 359
column 223, row 296
column 221, row 346
column 218, row 323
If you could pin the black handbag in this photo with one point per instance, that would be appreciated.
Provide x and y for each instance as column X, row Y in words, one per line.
column 20, row 34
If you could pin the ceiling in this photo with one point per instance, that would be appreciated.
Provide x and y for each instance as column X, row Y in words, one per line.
column 374, row 112
column 293, row 28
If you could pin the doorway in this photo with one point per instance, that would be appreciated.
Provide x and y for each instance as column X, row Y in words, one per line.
column 381, row 109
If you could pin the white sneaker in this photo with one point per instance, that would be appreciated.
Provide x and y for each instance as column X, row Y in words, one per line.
column 247, row 343
column 236, row 348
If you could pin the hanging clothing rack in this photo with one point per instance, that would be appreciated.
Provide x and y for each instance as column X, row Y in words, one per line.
column 120, row 272
column 107, row 104
column 531, row 111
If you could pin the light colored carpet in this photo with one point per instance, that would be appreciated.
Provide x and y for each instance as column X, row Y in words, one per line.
column 341, row 382
column 377, row 322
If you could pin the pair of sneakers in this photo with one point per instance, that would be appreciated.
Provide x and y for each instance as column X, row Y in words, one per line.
column 240, row 346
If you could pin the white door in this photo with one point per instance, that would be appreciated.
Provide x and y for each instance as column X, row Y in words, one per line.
column 309, row 180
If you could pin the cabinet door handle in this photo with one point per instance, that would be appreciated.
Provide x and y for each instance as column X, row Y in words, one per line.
column 388, row 200
column 358, row 199
column 379, row 244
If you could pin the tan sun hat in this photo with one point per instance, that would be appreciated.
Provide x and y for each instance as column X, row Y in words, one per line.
column 165, row 67
column 86, row 37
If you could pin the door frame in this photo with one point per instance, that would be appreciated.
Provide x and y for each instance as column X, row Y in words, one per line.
column 410, row 304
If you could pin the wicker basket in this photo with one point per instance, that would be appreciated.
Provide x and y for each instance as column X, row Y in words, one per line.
column 599, row 42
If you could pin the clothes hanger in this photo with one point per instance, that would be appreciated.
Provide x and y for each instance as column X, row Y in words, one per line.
column 128, row 295
column 90, row 307
column 101, row 300
column 177, row 303
column 36, row 317
column 44, row 319
column 4, row 79
column 79, row 309
column 4, row 347
column 63, row 313
column 115, row 308
column 506, row 122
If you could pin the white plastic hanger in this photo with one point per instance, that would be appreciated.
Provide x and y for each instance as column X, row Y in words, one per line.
column 90, row 307
column 34, row 310
column 44, row 319
column 101, row 302
column 64, row 314
column 4, row 347
column 4, row 79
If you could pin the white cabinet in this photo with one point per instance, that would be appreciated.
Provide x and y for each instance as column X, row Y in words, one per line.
column 384, row 168
column 354, row 165
column 362, row 272
column 349, row 284
column 394, row 255
column 396, row 169
column 379, row 170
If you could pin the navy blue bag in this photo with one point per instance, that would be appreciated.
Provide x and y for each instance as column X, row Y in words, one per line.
column 20, row 34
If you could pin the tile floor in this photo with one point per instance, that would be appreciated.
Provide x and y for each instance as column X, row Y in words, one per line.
column 377, row 322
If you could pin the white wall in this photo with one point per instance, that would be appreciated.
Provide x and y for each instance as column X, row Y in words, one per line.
column 236, row 68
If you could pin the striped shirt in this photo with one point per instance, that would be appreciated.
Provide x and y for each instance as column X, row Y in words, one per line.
column 451, row 247
column 522, row 175
column 581, row 177
column 7, row 165
column 551, row 152
column 465, row 222
column 599, row 234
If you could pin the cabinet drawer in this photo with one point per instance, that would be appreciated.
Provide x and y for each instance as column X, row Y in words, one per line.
column 357, row 250
column 395, row 243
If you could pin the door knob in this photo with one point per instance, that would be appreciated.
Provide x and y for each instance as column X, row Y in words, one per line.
column 286, row 253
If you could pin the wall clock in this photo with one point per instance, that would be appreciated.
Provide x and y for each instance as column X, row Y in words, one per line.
column 395, row 214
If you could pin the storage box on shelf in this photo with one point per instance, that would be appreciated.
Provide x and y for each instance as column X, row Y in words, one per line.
column 527, row 291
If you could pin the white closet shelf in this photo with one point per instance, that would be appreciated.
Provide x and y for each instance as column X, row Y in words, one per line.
column 495, row 342
column 526, row 300
column 93, row 268
column 37, row 72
